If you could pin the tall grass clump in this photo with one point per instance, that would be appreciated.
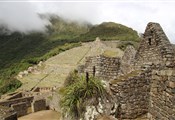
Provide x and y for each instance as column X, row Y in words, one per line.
column 77, row 95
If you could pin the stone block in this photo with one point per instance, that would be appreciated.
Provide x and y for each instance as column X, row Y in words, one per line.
column 171, row 84
column 169, row 72
column 171, row 117
column 20, row 108
column 38, row 105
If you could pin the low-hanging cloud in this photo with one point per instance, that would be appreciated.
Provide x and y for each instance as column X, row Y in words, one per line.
column 22, row 16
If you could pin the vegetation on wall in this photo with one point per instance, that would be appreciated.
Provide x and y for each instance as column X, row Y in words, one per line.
column 80, row 93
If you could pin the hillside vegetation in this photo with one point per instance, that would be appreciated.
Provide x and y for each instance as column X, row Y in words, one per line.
column 18, row 50
column 65, row 29
column 110, row 31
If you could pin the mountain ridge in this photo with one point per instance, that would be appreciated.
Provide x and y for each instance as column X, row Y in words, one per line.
column 21, row 50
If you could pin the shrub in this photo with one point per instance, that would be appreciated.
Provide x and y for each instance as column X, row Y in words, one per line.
column 71, row 78
column 77, row 95
column 10, row 86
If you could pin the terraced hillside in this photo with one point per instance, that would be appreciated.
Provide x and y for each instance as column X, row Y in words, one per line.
column 21, row 50
column 54, row 70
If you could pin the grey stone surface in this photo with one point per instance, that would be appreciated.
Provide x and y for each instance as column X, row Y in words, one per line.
column 7, row 113
column 144, row 80
column 106, row 68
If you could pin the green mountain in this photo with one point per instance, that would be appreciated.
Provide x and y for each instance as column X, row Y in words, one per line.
column 65, row 29
column 110, row 31
column 18, row 50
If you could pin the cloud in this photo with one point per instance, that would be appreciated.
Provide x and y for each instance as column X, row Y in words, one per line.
column 22, row 16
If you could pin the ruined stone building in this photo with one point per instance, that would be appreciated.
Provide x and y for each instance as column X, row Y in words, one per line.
column 142, row 81
column 18, row 104
column 7, row 113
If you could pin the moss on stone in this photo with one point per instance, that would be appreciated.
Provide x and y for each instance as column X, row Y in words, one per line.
column 110, row 53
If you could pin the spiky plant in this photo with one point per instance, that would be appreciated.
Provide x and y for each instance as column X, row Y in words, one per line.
column 76, row 96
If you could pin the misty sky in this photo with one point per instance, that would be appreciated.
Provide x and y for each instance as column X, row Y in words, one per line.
column 22, row 16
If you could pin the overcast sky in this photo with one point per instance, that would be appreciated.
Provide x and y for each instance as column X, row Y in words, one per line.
column 22, row 16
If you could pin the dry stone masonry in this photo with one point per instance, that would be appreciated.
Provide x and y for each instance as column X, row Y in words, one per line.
column 7, row 113
column 156, row 50
column 157, row 98
column 127, row 60
column 18, row 104
column 162, row 95
column 155, row 47
column 101, row 66
column 132, row 93
column 142, row 81
column 38, row 105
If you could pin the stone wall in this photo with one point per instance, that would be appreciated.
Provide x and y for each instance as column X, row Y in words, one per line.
column 28, row 103
column 132, row 94
column 154, row 47
column 20, row 108
column 104, row 67
column 127, row 60
column 38, row 105
column 53, row 102
column 10, row 117
column 162, row 95
column 8, row 103
column 7, row 113
column 140, row 91
column 156, row 50
column 19, row 105
column 13, row 95
column 43, row 89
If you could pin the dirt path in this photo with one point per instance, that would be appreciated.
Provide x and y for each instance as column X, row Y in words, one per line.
column 42, row 115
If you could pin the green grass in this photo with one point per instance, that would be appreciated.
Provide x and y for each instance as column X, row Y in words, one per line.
column 19, row 50
column 110, row 31
column 110, row 53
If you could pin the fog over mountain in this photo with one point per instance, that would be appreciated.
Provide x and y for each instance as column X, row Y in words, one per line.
column 23, row 15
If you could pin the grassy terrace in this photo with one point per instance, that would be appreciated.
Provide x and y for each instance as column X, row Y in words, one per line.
column 58, row 67
column 19, row 50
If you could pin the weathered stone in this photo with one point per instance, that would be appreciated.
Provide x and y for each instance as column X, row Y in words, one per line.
column 39, row 105
column 172, row 84
column 7, row 113
column 106, row 68
column 20, row 108
column 171, row 117
column 153, row 92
